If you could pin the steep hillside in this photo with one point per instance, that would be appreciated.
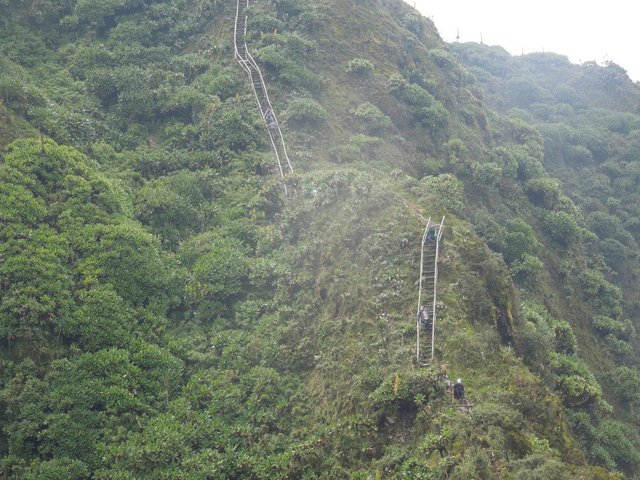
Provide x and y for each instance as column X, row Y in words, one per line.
column 167, row 312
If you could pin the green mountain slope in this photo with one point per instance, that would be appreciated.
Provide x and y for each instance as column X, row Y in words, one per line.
column 166, row 312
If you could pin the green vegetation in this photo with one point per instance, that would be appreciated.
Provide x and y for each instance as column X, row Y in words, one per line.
column 166, row 312
column 360, row 66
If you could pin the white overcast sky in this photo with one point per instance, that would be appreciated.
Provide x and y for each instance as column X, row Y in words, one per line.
column 582, row 30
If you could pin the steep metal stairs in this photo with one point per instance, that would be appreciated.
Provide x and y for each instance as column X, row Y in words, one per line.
column 427, row 292
column 249, row 65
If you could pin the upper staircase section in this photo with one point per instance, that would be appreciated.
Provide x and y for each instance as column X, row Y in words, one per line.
column 249, row 65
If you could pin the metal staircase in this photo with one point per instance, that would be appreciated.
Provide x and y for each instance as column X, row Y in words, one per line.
column 249, row 65
column 427, row 292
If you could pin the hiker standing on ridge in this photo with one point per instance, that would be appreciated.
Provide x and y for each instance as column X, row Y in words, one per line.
column 458, row 390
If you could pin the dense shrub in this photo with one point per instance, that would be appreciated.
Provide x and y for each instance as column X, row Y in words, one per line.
column 223, row 83
column 620, row 328
column 486, row 174
column 360, row 66
column 305, row 112
column 605, row 296
column 560, row 226
column 396, row 84
column 517, row 240
column 358, row 148
column 218, row 277
column 289, row 71
column 443, row 58
column 575, row 382
column 413, row 23
column 566, row 342
column 543, row 192
column 445, row 190
column 372, row 120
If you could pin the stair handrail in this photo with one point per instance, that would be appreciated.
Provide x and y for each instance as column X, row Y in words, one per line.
column 236, row 52
column 435, row 288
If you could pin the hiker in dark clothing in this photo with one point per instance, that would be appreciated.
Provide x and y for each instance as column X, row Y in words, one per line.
column 458, row 390
column 431, row 234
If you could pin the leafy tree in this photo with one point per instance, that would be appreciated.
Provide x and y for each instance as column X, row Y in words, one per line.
column 292, row 73
column 608, row 226
column 57, row 469
column 396, row 84
column 619, row 328
column 223, row 83
column 427, row 111
column 85, row 11
column 627, row 384
column 443, row 58
column 578, row 155
column 540, row 466
column 231, row 127
column 615, row 253
column 129, row 259
column 36, row 284
column 517, row 240
column 170, row 206
column 65, row 414
column 486, row 173
column 560, row 226
column 19, row 207
column 101, row 320
column 575, row 382
column 218, row 277
column 40, row 165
